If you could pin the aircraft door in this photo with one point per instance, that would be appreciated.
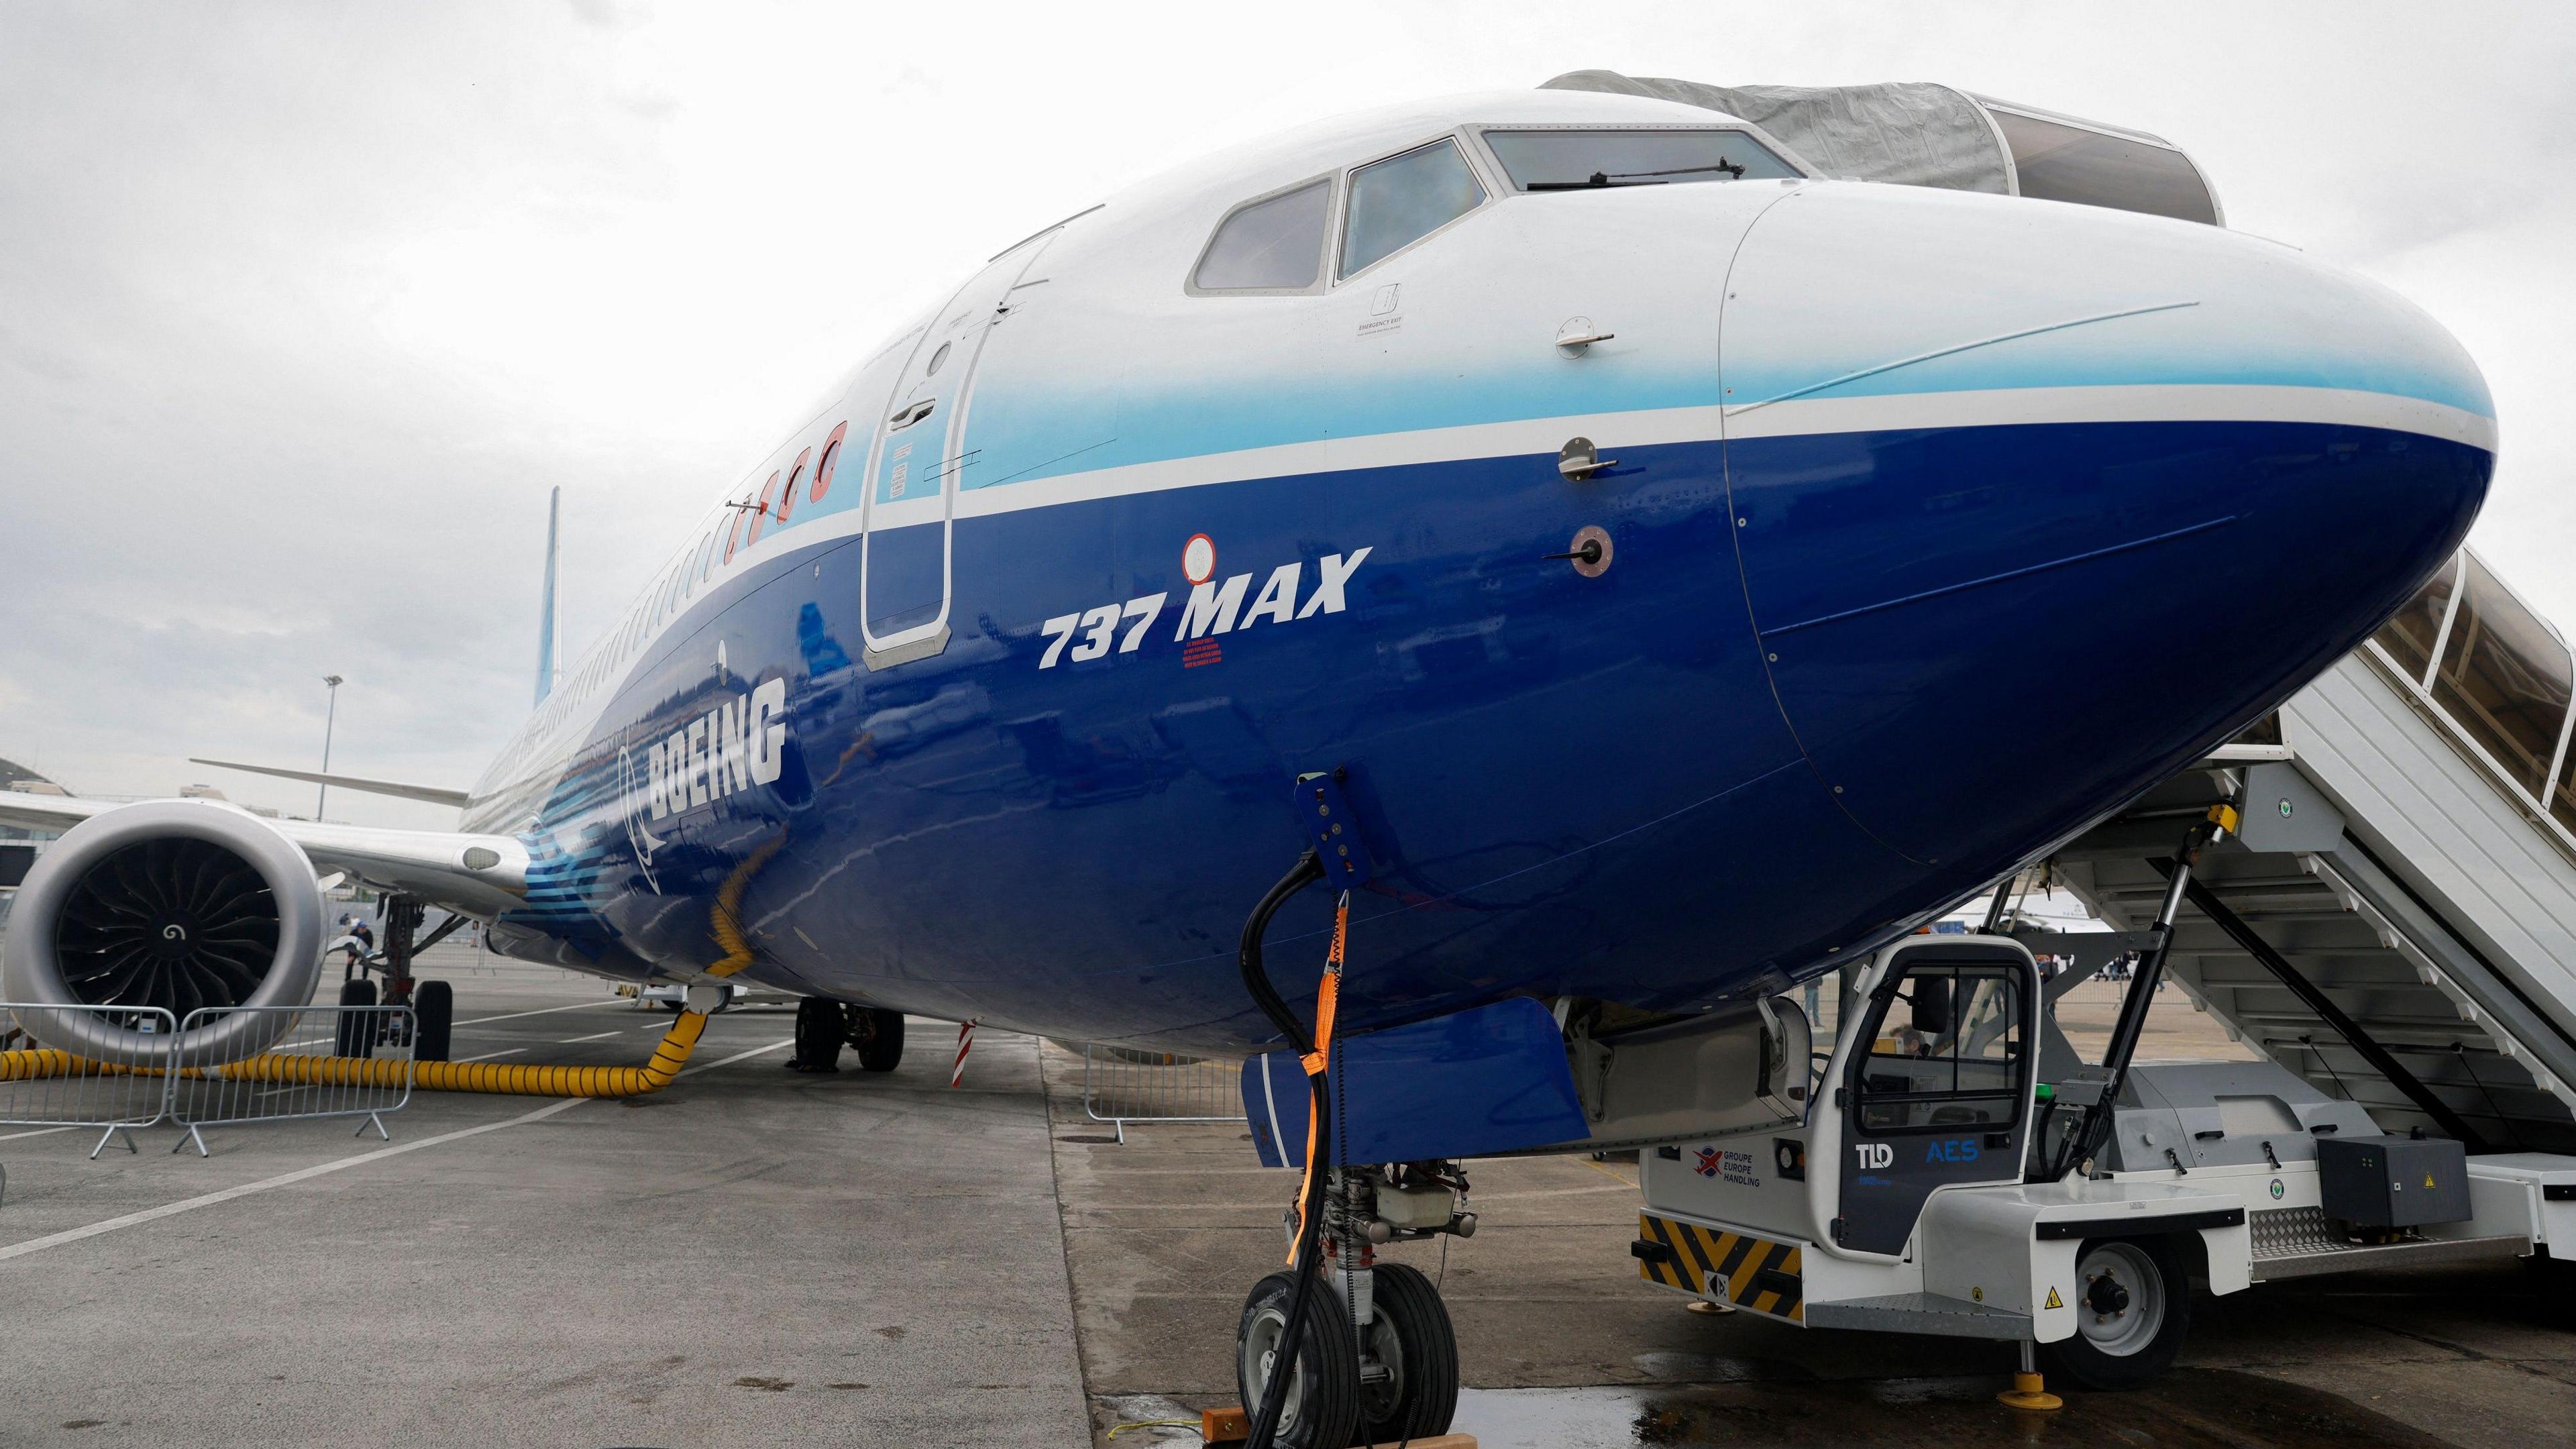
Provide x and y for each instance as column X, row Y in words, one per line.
column 1937, row 1090
column 914, row 465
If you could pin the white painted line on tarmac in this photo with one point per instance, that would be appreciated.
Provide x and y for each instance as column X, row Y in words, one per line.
column 594, row 1036
column 544, row 1011
column 487, row 1056
column 39, row 1132
column 739, row 1057
column 321, row 1169
column 284, row 1179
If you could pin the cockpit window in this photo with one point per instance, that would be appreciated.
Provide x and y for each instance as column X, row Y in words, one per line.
column 1588, row 160
column 1276, row 244
column 1401, row 199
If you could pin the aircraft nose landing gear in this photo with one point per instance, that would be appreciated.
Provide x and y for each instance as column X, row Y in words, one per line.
column 1376, row 1358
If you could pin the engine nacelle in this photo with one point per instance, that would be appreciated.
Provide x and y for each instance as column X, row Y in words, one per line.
column 177, row 904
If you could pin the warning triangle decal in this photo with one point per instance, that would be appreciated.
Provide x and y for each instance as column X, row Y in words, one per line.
column 2053, row 1300
column 2428, row 1179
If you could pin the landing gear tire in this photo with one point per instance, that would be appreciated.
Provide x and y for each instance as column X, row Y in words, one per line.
column 2132, row 1309
column 1411, row 1336
column 820, row 1026
column 1322, row 1410
column 878, row 1034
column 357, row 1033
column 433, row 1013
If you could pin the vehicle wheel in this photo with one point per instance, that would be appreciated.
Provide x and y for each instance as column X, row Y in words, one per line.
column 2132, row 1308
column 820, row 1026
column 878, row 1034
column 433, row 1011
column 1412, row 1337
column 2556, row 1279
column 357, row 1034
column 1322, row 1410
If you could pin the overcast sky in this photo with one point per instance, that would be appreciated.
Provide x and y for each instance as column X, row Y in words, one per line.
column 303, row 307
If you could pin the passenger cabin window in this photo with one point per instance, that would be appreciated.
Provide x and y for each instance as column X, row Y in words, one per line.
column 1400, row 200
column 1598, row 160
column 2058, row 162
column 1272, row 245
column 1946, row 1053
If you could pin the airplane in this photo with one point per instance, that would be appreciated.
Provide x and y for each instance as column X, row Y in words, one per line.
column 1633, row 535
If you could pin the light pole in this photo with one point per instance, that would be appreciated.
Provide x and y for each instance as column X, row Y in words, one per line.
column 330, row 713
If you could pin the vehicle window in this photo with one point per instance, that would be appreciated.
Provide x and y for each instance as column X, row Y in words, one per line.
column 1277, row 243
column 2504, row 679
column 1948, row 1051
column 1403, row 198
column 2068, row 163
column 1586, row 160
column 2409, row 636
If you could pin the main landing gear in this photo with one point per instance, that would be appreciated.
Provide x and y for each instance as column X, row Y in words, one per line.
column 432, row 1003
column 1376, row 1358
column 824, row 1026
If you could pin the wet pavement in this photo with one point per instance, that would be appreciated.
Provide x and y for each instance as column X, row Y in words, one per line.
column 2191, row 1408
column 1562, row 1347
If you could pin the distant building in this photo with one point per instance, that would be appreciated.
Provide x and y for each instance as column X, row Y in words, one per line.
column 18, row 845
column 14, row 776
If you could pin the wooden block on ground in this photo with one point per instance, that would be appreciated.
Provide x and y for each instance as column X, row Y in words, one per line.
column 1233, row 1426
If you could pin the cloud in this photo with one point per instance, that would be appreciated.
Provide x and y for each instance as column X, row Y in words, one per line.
column 303, row 310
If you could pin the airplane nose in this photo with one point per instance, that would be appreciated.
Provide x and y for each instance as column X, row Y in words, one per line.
column 2037, row 502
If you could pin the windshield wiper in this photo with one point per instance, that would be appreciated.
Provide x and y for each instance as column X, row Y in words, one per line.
column 1602, row 179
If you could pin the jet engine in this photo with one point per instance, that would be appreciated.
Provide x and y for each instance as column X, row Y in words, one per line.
column 176, row 904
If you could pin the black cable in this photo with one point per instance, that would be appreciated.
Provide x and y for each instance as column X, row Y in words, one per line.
column 1256, row 980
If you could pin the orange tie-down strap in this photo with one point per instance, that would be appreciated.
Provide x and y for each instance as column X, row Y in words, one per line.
column 1320, row 1060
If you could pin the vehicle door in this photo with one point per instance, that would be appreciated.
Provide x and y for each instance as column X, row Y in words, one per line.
column 1937, row 1090
column 914, row 465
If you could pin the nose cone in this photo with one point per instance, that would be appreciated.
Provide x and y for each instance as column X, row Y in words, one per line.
column 2037, row 502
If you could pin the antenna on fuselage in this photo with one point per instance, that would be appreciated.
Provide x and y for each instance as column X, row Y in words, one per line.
column 549, row 629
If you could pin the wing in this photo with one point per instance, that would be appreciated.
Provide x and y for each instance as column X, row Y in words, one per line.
column 430, row 794
column 480, row 875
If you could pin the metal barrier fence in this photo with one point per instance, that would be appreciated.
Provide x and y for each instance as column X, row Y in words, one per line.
column 41, row 1087
column 289, row 1080
column 1122, row 1085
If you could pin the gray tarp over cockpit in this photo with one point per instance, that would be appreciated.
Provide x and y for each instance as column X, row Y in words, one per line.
column 1917, row 133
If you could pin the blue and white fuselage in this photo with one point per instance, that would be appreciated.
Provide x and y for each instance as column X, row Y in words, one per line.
column 981, row 696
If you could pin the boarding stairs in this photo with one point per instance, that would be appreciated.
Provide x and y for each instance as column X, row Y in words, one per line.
column 2396, row 922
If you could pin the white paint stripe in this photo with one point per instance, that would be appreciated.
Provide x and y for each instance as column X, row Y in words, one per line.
column 487, row 1056
column 2145, row 403
column 2150, row 402
column 284, row 1179
column 594, row 1036
column 738, row 1057
column 320, row 1169
column 544, row 1011
column 1512, row 438
column 39, row 1132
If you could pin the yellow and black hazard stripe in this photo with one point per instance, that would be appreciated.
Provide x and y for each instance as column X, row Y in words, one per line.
column 1745, row 1270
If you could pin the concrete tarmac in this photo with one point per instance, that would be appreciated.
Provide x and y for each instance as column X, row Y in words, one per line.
column 756, row 1257
column 750, row 1257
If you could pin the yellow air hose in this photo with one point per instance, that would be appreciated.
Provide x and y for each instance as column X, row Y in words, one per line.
column 516, row 1079
column 38, row 1062
column 291, row 1070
